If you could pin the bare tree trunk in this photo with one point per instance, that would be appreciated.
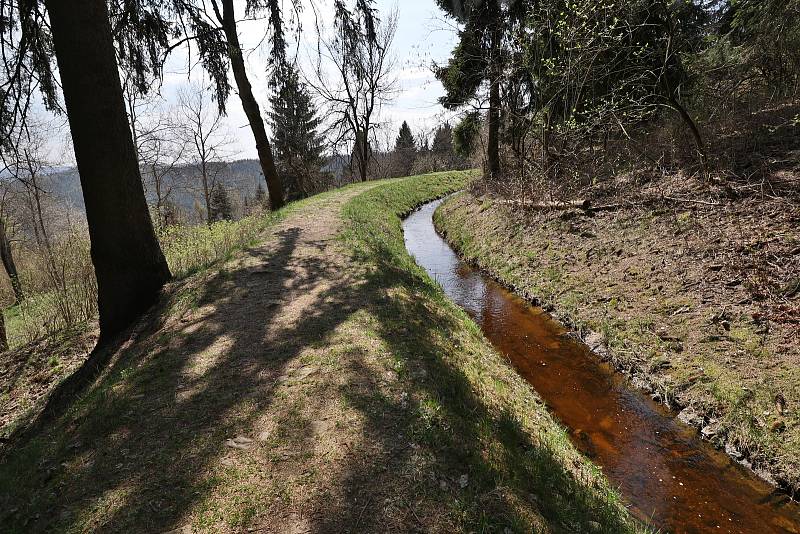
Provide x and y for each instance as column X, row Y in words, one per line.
column 687, row 119
column 206, row 192
column 39, row 220
column 128, row 261
column 3, row 335
column 362, row 150
column 493, row 150
column 159, row 198
column 8, row 262
column 251, row 109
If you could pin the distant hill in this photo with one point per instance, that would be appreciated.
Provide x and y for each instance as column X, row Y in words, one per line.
column 241, row 178
column 238, row 177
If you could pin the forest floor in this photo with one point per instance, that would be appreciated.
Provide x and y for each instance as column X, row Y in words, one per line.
column 317, row 382
column 693, row 294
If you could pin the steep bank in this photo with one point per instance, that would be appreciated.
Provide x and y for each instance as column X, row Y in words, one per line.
column 317, row 382
column 657, row 292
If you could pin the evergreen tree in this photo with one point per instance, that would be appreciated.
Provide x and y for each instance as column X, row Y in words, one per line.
column 298, row 146
column 443, row 140
column 261, row 197
column 221, row 209
column 442, row 148
column 405, row 151
column 127, row 258
column 477, row 59
column 405, row 140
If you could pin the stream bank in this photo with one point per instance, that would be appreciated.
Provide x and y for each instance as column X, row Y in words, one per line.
column 667, row 474
column 654, row 292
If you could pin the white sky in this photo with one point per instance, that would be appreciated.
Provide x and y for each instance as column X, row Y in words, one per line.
column 423, row 36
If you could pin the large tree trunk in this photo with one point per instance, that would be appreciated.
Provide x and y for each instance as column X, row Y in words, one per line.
column 7, row 258
column 493, row 150
column 128, row 261
column 251, row 109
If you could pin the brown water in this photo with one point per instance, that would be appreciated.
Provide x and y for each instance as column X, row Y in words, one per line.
column 666, row 473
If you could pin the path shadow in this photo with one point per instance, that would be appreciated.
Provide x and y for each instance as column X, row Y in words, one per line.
column 148, row 430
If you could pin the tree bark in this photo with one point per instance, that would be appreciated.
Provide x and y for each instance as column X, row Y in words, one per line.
column 3, row 335
column 363, row 154
column 128, row 262
column 251, row 109
column 206, row 190
column 7, row 258
column 493, row 150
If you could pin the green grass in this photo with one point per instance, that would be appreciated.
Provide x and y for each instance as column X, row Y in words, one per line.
column 143, row 449
column 472, row 404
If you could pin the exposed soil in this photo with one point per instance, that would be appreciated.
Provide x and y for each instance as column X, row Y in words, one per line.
column 694, row 296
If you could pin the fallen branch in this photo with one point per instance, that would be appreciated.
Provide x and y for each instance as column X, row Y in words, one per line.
column 575, row 204
column 691, row 201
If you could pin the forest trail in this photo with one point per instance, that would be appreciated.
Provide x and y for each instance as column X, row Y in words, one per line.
column 238, row 368
column 318, row 382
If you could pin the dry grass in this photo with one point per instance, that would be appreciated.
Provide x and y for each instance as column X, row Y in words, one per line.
column 61, row 289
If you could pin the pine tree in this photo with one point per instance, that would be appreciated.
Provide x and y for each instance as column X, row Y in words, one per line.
column 478, row 61
column 261, row 197
column 443, row 140
column 298, row 146
column 221, row 209
column 405, row 140
column 442, row 148
column 405, row 151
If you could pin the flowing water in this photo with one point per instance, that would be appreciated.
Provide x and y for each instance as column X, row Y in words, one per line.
column 666, row 473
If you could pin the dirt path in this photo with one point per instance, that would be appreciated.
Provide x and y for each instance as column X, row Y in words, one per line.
column 234, row 410
column 311, row 384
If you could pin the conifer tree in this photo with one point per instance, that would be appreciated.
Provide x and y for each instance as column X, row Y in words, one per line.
column 443, row 140
column 128, row 261
column 442, row 148
column 221, row 209
column 476, row 59
column 261, row 197
column 405, row 151
column 405, row 140
column 298, row 146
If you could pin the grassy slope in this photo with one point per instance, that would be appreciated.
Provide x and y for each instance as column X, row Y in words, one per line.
column 390, row 412
column 624, row 277
column 472, row 405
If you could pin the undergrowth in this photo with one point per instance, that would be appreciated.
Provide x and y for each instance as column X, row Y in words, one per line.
column 66, row 296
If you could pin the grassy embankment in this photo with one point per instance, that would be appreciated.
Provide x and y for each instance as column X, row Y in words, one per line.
column 325, row 385
column 652, row 291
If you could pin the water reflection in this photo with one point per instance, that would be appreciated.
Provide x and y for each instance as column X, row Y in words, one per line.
column 663, row 469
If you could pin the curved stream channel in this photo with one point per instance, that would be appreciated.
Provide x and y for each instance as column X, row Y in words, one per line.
column 666, row 473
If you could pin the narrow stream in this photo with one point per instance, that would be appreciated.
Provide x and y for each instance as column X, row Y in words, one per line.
column 666, row 473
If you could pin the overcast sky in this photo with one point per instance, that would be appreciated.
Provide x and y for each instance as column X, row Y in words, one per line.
column 423, row 36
